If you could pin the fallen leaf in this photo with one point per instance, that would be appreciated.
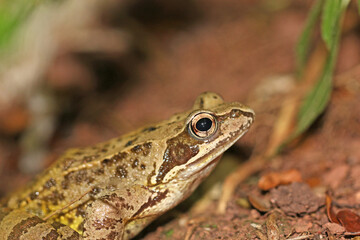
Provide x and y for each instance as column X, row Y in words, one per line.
column 329, row 210
column 346, row 218
column 275, row 179
column 349, row 219
column 13, row 119
column 260, row 204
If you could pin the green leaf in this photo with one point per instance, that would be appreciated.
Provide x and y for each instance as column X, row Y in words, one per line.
column 169, row 233
column 330, row 17
column 316, row 101
column 12, row 15
column 302, row 46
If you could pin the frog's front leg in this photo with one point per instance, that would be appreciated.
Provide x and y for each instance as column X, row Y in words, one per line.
column 18, row 224
column 119, row 214
column 103, row 220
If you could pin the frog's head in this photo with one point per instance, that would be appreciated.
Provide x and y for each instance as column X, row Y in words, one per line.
column 206, row 132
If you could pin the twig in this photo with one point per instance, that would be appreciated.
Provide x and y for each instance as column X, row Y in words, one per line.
column 68, row 205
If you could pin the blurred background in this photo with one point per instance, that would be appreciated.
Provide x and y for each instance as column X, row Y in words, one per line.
column 74, row 73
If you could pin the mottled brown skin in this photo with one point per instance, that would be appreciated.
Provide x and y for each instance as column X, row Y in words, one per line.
column 114, row 189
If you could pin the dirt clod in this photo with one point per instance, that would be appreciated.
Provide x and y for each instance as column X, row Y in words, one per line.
column 295, row 199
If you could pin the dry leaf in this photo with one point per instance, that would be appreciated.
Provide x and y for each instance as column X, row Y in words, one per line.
column 13, row 119
column 275, row 179
column 262, row 205
column 350, row 220
column 329, row 210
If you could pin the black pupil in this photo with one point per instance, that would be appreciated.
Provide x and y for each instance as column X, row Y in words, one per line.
column 203, row 124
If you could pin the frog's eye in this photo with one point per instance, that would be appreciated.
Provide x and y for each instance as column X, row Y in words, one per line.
column 203, row 125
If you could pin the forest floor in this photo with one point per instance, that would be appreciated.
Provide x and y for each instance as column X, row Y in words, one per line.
column 243, row 50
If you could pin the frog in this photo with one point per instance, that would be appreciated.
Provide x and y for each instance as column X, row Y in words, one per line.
column 114, row 189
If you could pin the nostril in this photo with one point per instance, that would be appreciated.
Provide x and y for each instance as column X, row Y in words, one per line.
column 235, row 113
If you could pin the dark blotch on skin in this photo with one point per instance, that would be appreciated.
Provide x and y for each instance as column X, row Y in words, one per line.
column 80, row 176
column 152, row 202
column 80, row 227
column 112, row 235
column 74, row 236
column 105, row 162
column 144, row 148
column 57, row 225
column 99, row 171
column 71, row 220
column 34, row 195
column 130, row 142
column 147, row 145
column 67, row 163
column 54, row 197
column 50, row 183
column 178, row 152
column 90, row 180
column 77, row 177
column 119, row 157
column 80, row 211
column 121, row 172
column 79, row 153
column 88, row 158
column 114, row 159
column 52, row 235
column 135, row 163
column 149, row 129
column 118, row 202
column 65, row 183
column 23, row 227
column 170, row 123
column 201, row 102
column 147, row 148
column 136, row 149
column 95, row 191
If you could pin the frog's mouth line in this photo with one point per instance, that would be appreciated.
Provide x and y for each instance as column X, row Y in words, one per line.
column 212, row 162
column 216, row 159
column 231, row 142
